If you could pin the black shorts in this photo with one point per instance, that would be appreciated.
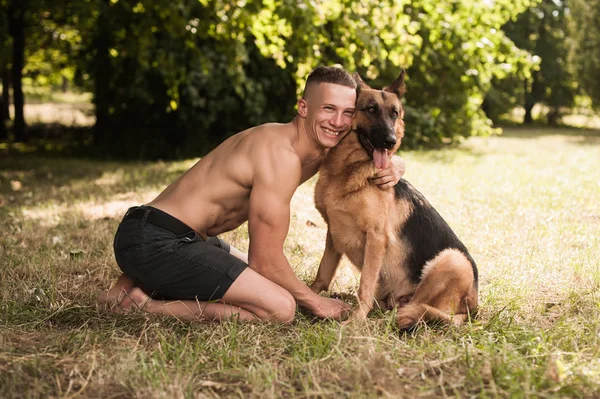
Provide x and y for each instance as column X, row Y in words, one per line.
column 169, row 260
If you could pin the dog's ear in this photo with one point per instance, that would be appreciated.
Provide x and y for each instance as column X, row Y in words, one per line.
column 359, row 82
column 398, row 87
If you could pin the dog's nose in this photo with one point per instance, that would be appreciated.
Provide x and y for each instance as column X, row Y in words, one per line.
column 389, row 141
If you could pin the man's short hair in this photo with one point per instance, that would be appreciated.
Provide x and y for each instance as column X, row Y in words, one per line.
column 329, row 74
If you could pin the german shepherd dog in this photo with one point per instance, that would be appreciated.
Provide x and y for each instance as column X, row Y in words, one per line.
column 407, row 254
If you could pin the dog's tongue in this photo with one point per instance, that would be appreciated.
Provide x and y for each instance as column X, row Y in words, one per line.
column 380, row 158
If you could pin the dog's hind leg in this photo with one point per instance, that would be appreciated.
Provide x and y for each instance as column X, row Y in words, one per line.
column 447, row 292
column 329, row 264
column 411, row 314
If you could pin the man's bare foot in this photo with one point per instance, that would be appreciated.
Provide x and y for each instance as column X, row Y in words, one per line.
column 113, row 296
column 133, row 299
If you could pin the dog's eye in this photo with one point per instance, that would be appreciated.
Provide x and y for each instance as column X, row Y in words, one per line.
column 395, row 114
column 371, row 110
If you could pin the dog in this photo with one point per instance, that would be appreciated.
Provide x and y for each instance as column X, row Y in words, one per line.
column 408, row 256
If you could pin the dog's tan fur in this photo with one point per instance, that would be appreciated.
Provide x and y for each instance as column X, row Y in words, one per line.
column 364, row 223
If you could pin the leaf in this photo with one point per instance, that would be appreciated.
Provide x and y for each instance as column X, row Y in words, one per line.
column 76, row 253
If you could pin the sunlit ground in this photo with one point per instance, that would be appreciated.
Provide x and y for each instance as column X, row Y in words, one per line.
column 526, row 204
column 69, row 109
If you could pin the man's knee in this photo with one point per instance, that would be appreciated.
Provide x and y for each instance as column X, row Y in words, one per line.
column 289, row 310
column 282, row 309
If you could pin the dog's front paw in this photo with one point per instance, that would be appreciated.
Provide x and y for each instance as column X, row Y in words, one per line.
column 317, row 288
column 357, row 316
column 406, row 323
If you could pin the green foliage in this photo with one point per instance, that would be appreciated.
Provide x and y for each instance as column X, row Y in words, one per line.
column 451, row 51
column 542, row 30
column 181, row 77
column 50, row 48
column 175, row 78
column 585, row 32
column 463, row 48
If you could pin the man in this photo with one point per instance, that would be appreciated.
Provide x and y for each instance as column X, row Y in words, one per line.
column 168, row 249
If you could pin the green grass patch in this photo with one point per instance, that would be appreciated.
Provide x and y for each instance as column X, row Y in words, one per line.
column 525, row 203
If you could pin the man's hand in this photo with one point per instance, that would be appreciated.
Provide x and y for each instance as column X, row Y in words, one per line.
column 391, row 175
column 330, row 308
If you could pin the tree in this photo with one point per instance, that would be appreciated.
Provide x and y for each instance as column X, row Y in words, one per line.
column 450, row 51
column 463, row 48
column 4, row 62
column 168, row 76
column 542, row 30
column 5, row 76
column 176, row 77
column 102, row 71
column 585, row 32
column 16, row 27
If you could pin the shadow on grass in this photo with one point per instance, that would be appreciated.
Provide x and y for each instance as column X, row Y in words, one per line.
column 30, row 178
column 27, row 178
column 118, row 144
column 34, row 315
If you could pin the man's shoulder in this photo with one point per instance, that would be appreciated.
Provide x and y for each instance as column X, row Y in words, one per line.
column 274, row 141
column 273, row 133
column 274, row 158
column 273, row 126
column 262, row 142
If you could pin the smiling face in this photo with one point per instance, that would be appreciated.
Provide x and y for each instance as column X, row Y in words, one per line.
column 327, row 110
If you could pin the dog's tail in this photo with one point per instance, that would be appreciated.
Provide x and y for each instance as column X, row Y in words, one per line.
column 447, row 292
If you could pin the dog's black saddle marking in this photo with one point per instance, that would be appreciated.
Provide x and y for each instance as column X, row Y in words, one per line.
column 426, row 232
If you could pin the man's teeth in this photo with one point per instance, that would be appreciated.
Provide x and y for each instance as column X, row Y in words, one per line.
column 330, row 132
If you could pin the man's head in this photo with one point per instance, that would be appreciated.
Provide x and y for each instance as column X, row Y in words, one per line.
column 328, row 74
column 327, row 105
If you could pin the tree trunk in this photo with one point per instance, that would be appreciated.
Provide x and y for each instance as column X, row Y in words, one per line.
column 553, row 116
column 528, row 120
column 102, row 70
column 16, row 26
column 3, row 132
column 529, row 103
column 5, row 108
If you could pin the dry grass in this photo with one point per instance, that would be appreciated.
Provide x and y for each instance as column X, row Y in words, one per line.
column 526, row 204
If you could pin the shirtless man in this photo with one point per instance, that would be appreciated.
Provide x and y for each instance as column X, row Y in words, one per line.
column 172, row 261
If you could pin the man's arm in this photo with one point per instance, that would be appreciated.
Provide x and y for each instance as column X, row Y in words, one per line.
column 238, row 254
column 274, row 184
column 391, row 175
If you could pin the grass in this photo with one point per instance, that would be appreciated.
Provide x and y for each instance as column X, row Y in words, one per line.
column 526, row 204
